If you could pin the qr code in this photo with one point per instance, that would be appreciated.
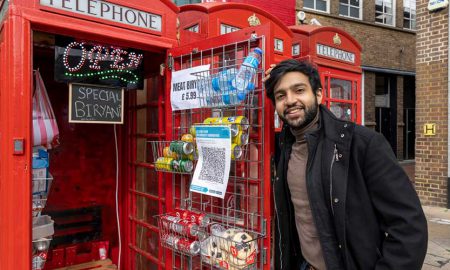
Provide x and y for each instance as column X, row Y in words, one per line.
column 213, row 164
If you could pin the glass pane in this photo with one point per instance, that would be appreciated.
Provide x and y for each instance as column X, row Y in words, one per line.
column 389, row 19
column 141, row 95
column 354, row 3
column 340, row 89
column 354, row 12
column 308, row 3
column 343, row 10
column 341, row 110
column 321, row 5
column 413, row 24
column 148, row 241
column 406, row 24
column 147, row 180
column 143, row 150
column 143, row 263
column 343, row 1
column 379, row 17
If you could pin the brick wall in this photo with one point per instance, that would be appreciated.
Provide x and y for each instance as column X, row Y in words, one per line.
column 431, row 104
column 383, row 46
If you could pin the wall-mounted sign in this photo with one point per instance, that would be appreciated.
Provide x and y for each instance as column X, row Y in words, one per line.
column 335, row 53
column 108, row 11
column 95, row 104
column 84, row 62
column 429, row 129
column 434, row 5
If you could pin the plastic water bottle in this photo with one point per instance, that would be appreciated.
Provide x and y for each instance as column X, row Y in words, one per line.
column 222, row 84
column 247, row 72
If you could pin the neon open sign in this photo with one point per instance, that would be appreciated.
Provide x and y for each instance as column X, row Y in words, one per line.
column 80, row 61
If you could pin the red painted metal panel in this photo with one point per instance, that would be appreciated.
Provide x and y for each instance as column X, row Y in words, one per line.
column 15, row 184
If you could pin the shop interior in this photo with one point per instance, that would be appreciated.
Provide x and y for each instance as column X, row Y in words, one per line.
column 84, row 178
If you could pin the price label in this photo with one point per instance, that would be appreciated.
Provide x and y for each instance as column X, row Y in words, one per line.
column 183, row 92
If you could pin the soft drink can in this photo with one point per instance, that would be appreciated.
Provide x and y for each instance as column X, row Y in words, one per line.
column 241, row 121
column 190, row 229
column 38, row 260
column 188, row 246
column 241, row 139
column 183, row 165
column 164, row 164
column 201, row 219
column 170, row 240
column 181, row 147
column 168, row 153
column 187, row 138
column 236, row 152
column 168, row 222
column 219, row 121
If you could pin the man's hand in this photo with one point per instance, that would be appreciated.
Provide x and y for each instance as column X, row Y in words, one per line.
column 267, row 73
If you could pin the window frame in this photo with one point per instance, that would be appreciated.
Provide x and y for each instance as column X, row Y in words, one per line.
column 410, row 13
column 393, row 13
column 233, row 28
column 348, row 5
column 318, row 10
column 293, row 46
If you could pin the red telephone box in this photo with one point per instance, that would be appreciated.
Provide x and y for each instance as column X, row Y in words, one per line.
column 338, row 58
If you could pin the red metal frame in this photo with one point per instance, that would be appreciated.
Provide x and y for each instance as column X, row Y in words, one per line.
column 16, row 55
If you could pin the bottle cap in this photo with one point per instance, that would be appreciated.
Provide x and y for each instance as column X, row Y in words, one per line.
column 258, row 50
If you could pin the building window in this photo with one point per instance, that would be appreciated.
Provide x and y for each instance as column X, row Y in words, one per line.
column 193, row 28
column 409, row 14
column 384, row 11
column 279, row 45
column 186, row 2
column 296, row 49
column 225, row 29
column 321, row 5
column 350, row 8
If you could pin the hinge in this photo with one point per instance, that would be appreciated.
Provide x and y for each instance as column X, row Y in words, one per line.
column 264, row 255
column 264, row 227
column 170, row 61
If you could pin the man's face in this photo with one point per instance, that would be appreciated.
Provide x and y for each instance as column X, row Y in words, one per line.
column 295, row 101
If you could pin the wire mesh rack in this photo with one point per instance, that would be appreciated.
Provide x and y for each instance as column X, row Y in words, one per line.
column 41, row 188
column 174, row 156
column 218, row 87
column 241, row 211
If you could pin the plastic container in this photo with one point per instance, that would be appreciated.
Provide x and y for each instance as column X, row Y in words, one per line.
column 43, row 227
column 247, row 72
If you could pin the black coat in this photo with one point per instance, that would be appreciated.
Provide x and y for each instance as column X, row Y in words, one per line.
column 367, row 213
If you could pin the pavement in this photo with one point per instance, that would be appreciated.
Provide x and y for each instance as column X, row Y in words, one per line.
column 438, row 253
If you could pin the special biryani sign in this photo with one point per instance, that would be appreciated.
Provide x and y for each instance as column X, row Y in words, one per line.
column 108, row 11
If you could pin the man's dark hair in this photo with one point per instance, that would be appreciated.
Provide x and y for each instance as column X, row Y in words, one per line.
column 290, row 65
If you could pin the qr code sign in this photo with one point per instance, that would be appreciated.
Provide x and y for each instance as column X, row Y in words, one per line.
column 213, row 164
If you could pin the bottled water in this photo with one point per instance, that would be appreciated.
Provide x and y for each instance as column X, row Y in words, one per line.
column 222, row 84
column 247, row 72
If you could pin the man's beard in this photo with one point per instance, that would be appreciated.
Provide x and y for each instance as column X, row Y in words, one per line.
column 310, row 114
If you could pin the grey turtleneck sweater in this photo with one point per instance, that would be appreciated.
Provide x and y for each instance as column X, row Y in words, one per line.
column 296, row 177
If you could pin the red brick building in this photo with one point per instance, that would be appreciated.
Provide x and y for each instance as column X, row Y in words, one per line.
column 432, row 64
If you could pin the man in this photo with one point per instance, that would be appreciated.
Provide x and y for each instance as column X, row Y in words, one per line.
column 341, row 199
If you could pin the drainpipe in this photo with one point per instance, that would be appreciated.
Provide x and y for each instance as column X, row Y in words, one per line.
column 448, row 111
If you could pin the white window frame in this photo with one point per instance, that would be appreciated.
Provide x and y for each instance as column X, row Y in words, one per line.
column 226, row 28
column 276, row 43
column 393, row 13
column 318, row 10
column 297, row 45
column 348, row 5
column 193, row 28
column 409, row 19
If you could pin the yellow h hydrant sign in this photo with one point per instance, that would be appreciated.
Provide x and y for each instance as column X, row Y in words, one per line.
column 429, row 129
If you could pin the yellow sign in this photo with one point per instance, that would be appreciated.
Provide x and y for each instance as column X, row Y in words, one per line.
column 429, row 129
